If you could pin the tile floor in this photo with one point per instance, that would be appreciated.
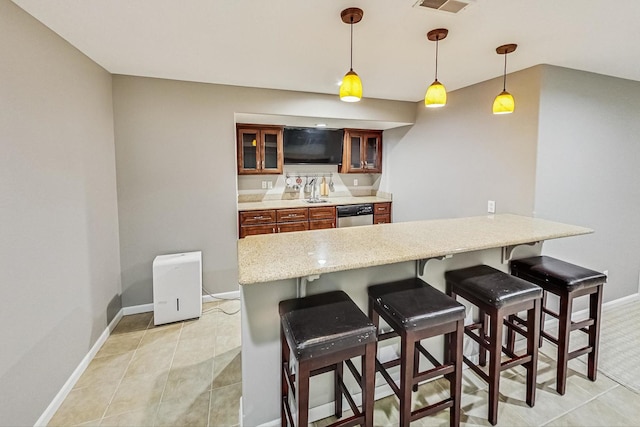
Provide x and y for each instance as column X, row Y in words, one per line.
column 188, row 373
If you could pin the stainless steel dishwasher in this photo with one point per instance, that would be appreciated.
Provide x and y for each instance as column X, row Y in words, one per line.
column 355, row 215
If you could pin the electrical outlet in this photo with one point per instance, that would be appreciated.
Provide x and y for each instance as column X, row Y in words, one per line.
column 491, row 206
column 355, row 182
column 264, row 185
column 269, row 184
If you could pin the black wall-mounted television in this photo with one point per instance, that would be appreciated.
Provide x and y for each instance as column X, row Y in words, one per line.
column 312, row 146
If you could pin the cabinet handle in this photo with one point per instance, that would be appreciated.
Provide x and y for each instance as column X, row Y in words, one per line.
column 258, row 217
column 366, row 165
column 278, row 229
column 361, row 164
column 274, row 229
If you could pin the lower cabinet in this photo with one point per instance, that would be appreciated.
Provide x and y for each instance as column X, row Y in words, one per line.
column 382, row 213
column 300, row 219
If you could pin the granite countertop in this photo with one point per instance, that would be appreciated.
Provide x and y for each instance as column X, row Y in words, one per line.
column 301, row 203
column 270, row 257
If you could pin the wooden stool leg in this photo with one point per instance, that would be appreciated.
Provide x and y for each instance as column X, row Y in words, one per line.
column 544, row 305
column 406, row 379
column 337, row 390
column 533, row 340
column 416, row 364
column 455, row 380
column 595, row 311
column 482, row 332
column 284, row 384
column 564, row 329
column 495, row 353
column 368, row 383
column 511, row 334
column 302, row 393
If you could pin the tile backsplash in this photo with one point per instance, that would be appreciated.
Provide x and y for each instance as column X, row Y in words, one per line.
column 255, row 188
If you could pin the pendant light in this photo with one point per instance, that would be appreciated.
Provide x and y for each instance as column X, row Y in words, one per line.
column 436, row 95
column 504, row 103
column 351, row 86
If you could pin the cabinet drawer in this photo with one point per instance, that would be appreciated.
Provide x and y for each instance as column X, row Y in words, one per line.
column 381, row 208
column 252, row 230
column 257, row 217
column 324, row 212
column 296, row 214
column 382, row 219
column 322, row 224
column 292, row 226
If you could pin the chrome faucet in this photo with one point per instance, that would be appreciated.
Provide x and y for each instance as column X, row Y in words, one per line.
column 314, row 194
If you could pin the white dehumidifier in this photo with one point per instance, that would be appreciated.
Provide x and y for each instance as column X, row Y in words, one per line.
column 177, row 287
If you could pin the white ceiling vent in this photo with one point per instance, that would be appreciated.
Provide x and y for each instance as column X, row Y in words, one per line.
column 451, row 6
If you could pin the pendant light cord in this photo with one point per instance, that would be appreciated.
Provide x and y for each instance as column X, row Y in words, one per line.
column 504, row 75
column 437, row 39
column 351, row 60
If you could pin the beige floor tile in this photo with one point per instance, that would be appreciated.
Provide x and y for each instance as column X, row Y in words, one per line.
column 164, row 334
column 596, row 413
column 188, row 410
column 225, row 405
column 133, row 323
column 621, row 397
column 140, row 417
column 227, row 369
column 84, row 404
column 120, row 343
column 226, row 343
column 189, row 380
column 203, row 327
column 137, row 393
column 151, row 360
column 107, row 368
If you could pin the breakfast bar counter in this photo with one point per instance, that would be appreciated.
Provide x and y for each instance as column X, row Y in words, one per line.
column 276, row 267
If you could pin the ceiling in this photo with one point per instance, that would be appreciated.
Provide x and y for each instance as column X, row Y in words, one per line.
column 304, row 46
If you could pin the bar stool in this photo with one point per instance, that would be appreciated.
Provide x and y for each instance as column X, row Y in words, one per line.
column 416, row 311
column 323, row 331
column 567, row 281
column 498, row 295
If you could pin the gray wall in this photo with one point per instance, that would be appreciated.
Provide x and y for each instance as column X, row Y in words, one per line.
column 588, row 174
column 176, row 166
column 59, row 260
column 455, row 159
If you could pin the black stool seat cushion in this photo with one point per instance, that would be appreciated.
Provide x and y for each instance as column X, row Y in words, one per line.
column 325, row 323
column 547, row 271
column 414, row 304
column 492, row 286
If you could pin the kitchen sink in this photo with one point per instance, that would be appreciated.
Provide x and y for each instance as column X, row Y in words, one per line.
column 316, row 200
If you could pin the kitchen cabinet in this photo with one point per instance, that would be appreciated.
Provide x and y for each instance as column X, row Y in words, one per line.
column 362, row 151
column 322, row 217
column 259, row 149
column 382, row 213
column 257, row 222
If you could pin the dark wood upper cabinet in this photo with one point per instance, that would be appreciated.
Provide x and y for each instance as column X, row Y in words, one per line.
column 259, row 149
column 362, row 151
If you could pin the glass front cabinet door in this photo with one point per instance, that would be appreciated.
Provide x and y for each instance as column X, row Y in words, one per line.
column 362, row 151
column 259, row 149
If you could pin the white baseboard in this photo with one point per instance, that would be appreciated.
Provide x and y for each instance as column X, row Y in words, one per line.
column 55, row 404
column 146, row 308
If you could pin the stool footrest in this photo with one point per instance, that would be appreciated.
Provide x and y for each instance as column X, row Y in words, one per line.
column 431, row 409
column 434, row 372
column 354, row 371
column 475, row 368
column 579, row 352
column 350, row 401
column 481, row 341
column 582, row 325
column 516, row 361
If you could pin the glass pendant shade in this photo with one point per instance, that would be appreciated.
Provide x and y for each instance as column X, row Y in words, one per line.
column 351, row 87
column 504, row 103
column 436, row 95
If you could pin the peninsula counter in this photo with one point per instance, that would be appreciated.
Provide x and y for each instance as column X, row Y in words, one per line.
column 281, row 266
